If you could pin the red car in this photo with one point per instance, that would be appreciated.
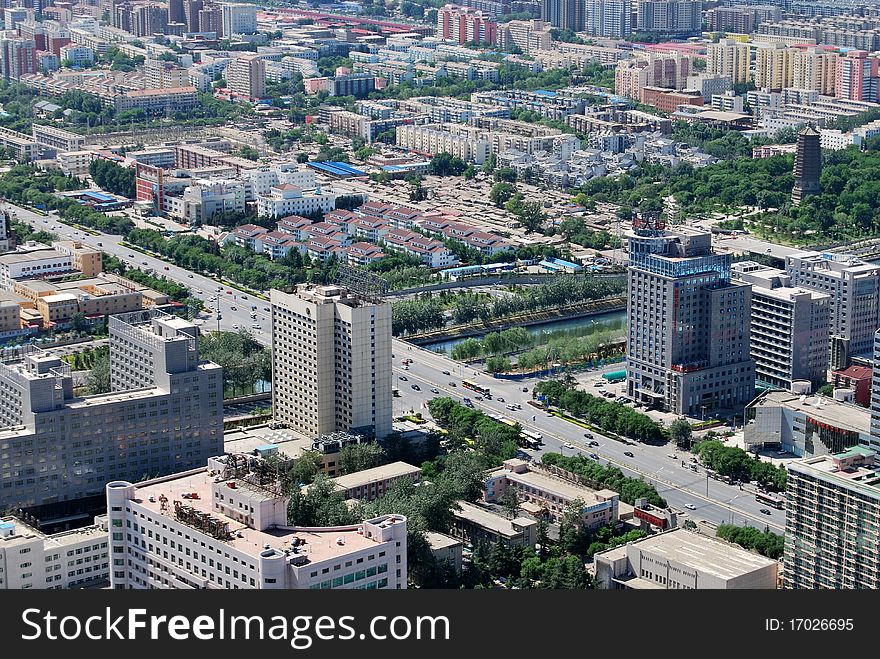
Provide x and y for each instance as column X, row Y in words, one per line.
column 229, row 292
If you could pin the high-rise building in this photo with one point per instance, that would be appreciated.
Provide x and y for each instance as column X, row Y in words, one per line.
column 857, row 77
column 239, row 19
column 729, row 58
column 730, row 19
column 789, row 327
column 210, row 20
column 191, row 11
column 164, row 415
column 666, row 71
column 854, row 285
column 608, row 18
column 564, row 14
column 332, row 361
column 247, row 76
column 815, row 68
column 463, row 25
column 147, row 20
column 688, row 344
column 526, row 35
column 670, row 16
column 163, row 75
column 17, row 57
column 202, row 514
column 176, row 12
column 807, row 164
column 774, row 66
column 832, row 521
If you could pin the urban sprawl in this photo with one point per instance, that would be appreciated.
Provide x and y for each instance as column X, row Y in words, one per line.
column 577, row 294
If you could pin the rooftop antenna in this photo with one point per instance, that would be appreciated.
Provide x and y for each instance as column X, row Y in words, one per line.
column 362, row 284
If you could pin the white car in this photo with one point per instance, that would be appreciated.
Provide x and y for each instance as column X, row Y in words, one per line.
column 568, row 445
column 690, row 506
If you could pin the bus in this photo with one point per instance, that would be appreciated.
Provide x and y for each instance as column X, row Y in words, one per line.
column 533, row 436
column 473, row 386
column 770, row 499
column 509, row 422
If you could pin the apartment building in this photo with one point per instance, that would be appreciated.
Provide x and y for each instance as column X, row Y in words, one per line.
column 31, row 559
column 477, row 524
column 57, row 303
column 370, row 484
column 564, row 14
column 689, row 336
column 158, row 101
column 551, row 493
column 464, row 25
column 668, row 100
column 805, row 425
column 196, row 530
column 332, row 354
column 246, row 76
column 729, row 58
column 608, row 18
column 857, row 77
column 51, row 140
column 669, row 16
column 162, row 75
column 432, row 139
column 79, row 56
column 832, row 528
column 855, row 287
column 681, row 559
column 59, row 448
column 528, row 36
column 23, row 146
column 789, row 327
column 666, row 71
column 83, row 258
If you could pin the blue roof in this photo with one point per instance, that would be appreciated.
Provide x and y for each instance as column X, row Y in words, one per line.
column 335, row 168
column 100, row 196
column 544, row 92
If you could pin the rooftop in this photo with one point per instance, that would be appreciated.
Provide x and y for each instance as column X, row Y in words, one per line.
column 488, row 520
column 555, row 485
column 384, row 472
column 319, row 545
column 708, row 555
column 440, row 541
column 838, row 414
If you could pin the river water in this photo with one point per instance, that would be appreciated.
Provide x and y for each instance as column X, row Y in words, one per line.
column 601, row 320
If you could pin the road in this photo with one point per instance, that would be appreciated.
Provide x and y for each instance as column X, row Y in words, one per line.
column 715, row 502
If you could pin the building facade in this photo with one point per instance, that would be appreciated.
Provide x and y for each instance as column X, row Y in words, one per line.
column 689, row 336
column 832, row 522
column 229, row 532
column 332, row 355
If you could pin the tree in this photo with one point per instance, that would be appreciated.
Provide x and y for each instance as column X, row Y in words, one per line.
column 501, row 192
column 510, row 501
column 680, row 432
column 306, row 467
column 78, row 323
column 98, row 379
column 532, row 216
column 357, row 457
column 445, row 164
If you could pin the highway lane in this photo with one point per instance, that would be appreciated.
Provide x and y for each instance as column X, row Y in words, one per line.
column 715, row 501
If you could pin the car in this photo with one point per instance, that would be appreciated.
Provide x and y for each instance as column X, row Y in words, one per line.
column 266, row 309
column 244, row 297
column 234, row 308
column 478, row 398
column 568, row 445
column 594, row 456
column 525, row 389
column 598, row 385
column 435, row 390
column 416, row 387
column 166, row 267
column 672, row 456
column 769, row 249
column 500, row 399
column 765, row 511
column 445, row 372
column 451, row 384
column 100, row 244
column 235, row 327
column 131, row 256
column 144, row 263
column 690, row 506
column 229, row 292
column 593, row 443
column 629, row 454
column 404, row 378
column 588, row 435
column 190, row 276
